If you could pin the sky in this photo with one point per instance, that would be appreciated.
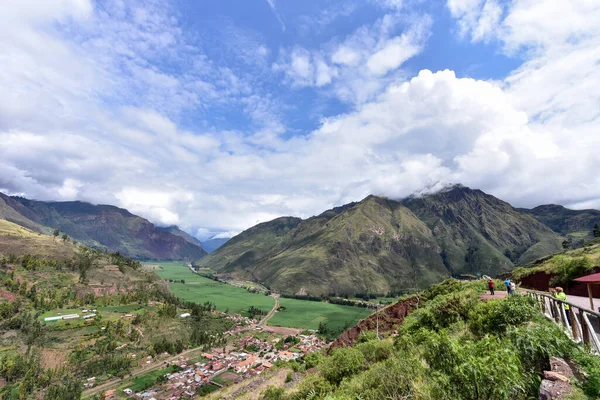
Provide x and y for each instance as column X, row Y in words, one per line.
column 217, row 115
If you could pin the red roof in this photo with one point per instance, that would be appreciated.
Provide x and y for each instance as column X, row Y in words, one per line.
column 593, row 278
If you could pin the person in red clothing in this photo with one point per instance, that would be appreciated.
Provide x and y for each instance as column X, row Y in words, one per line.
column 491, row 286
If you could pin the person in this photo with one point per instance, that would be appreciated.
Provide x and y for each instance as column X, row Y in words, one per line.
column 512, row 287
column 491, row 286
column 507, row 284
column 560, row 295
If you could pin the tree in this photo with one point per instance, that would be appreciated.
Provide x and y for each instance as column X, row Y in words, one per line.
column 56, row 233
column 596, row 230
column 65, row 237
column 566, row 244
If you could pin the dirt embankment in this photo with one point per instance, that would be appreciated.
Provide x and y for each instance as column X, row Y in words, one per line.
column 390, row 318
column 541, row 281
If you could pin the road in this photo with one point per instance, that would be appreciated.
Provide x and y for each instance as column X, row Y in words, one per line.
column 264, row 321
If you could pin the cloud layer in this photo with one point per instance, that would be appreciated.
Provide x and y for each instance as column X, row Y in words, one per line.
column 118, row 103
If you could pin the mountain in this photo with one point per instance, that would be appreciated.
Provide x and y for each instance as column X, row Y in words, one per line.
column 380, row 245
column 573, row 223
column 212, row 244
column 480, row 233
column 102, row 227
column 174, row 229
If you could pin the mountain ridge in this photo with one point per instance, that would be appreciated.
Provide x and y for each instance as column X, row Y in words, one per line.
column 102, row 227
column 382, row 245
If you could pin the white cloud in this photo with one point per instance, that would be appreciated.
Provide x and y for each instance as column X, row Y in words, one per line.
column 92, row 105
column 341, row 65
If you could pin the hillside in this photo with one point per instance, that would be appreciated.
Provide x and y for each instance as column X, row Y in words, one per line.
column 102, row 227
column 577, row 224
column 15, row 239
column 380, row 245
column 480, row 233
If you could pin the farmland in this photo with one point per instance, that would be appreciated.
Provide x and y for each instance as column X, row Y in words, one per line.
column 297, row 313
column 308, row 315
column 200, row 289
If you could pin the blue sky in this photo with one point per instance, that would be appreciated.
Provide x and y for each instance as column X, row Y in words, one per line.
column 216, row 115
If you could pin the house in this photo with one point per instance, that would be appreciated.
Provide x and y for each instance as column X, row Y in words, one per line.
column 185, row 315
column 286, row 355
column 243, row 366
column 128, row 391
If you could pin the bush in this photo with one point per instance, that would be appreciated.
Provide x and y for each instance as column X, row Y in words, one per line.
column 312, row 388
column 495, row 316
column 376, row 350
column 440, row 313
column 487, row 369
column 273, row 393
column 342, row 363
column 311, row 360
column 399, row 377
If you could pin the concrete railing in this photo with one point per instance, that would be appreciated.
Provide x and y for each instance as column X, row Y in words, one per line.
column 581, row 329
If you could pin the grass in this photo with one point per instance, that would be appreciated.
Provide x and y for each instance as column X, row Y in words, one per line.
column 145, row 381
column 200, row 289
column 308, row 315
column 298, row 313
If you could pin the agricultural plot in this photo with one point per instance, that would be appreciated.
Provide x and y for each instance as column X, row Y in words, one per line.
column 145, row 381
column 200, row 289
column 298, row 313
column 309, row 314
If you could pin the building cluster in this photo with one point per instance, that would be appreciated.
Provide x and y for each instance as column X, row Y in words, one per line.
column 244, row 358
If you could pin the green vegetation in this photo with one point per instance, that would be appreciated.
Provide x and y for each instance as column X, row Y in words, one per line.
column 565, row 266
column 309, row 314
column 382, row 246
column 147, row 380
column 453, row 347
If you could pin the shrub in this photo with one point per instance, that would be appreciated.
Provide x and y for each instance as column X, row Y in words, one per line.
column 486, row 369
column 273, row 393
column 440, row 313
column 399, row 377
column 312, row 388
column 495, row 316
column 342, row 363
column 311, row 360
column 376, row 350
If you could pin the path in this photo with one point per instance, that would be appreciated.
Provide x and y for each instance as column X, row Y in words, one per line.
column 264, row 321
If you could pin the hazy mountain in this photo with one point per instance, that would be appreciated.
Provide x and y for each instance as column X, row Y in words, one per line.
column 212, row 244
column 102, row 226
column 380, row 245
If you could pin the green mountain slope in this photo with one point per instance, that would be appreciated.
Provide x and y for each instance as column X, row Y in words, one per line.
column 380, row 245
column 577, row 224
column 374, row 246
column 100, row 226
column 480, row 233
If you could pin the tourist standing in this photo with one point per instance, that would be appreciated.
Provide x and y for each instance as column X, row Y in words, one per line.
column 560, row 295
column 491, row 286
column 507, row 284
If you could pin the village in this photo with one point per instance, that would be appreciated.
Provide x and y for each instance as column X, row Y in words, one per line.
column 250, row 351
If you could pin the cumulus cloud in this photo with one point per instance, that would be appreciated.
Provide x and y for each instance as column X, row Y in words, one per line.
column 102, row 115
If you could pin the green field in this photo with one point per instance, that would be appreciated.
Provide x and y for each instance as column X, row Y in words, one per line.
column 298, row 313
column 200, row 289
column 308, row 315
column 145, row 381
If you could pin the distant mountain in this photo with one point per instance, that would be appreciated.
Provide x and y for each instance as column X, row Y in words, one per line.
column 102, row 226
column 380, row 245
column 212, row 244
column 574, row 223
